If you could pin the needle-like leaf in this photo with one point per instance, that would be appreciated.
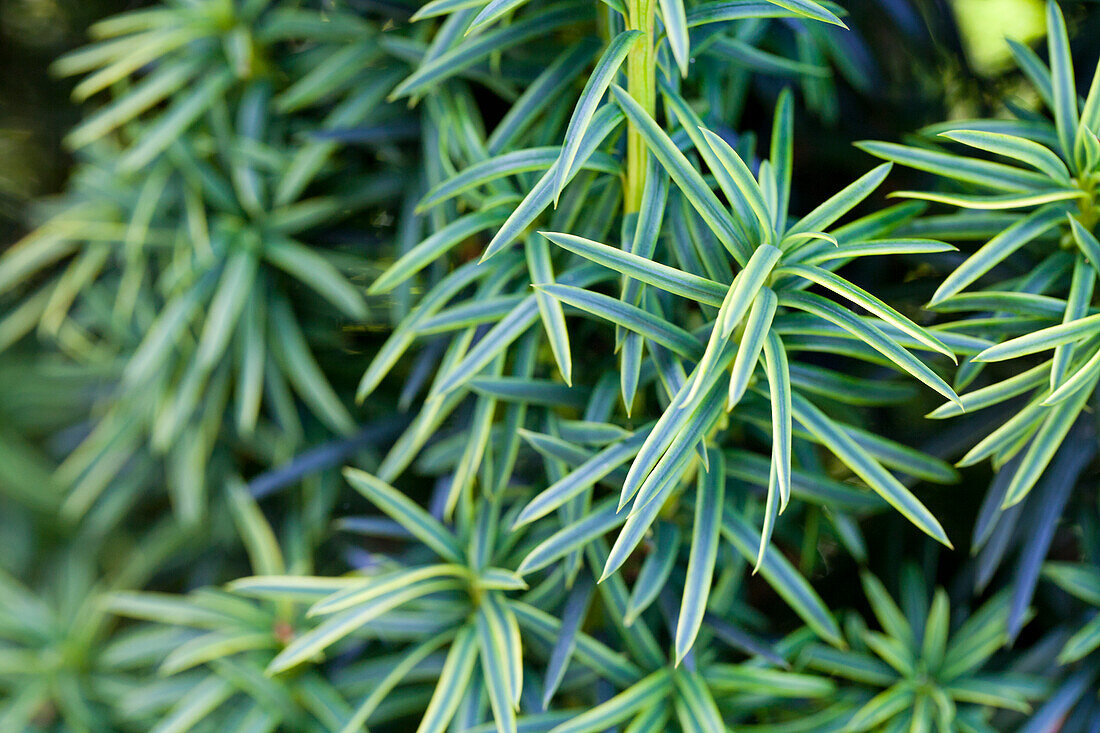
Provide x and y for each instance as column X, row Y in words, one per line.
column 709, row 503
column 594, row 90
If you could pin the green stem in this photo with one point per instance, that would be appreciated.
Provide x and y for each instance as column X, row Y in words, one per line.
column 641, row 80
column 1089, row 207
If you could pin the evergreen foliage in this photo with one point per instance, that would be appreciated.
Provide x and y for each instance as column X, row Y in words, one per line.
column 535, row 366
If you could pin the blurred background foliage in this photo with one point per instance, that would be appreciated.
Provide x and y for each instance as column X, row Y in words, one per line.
column 35, row 111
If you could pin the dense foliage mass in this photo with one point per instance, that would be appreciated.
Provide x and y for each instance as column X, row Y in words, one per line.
column 556, row 366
